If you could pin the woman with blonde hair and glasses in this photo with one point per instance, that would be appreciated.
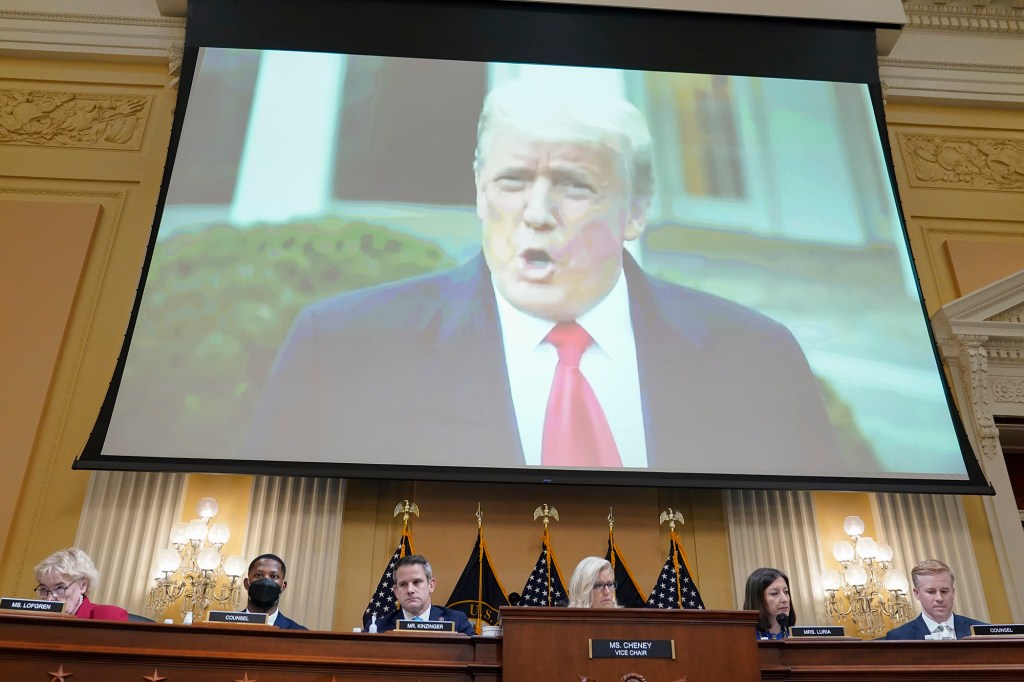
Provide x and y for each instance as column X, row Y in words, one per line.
column 593, row 584
column 67, row 576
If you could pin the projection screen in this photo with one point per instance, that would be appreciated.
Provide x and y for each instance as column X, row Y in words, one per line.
column 344, row 279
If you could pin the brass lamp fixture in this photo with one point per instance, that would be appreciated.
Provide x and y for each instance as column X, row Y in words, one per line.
column 865, row 588
column 193, row 566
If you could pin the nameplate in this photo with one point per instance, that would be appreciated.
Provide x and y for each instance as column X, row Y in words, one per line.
column 817, row 631
column 997, row 630
column 633, row 648
column 426, row 625
column 239, row 617
column 32, row 605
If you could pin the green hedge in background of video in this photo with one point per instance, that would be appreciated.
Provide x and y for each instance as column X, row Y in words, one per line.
column 219, row 302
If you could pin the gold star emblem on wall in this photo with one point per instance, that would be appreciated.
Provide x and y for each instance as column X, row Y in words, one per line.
column 246, row 678
column 60, row 674
column 155, row 677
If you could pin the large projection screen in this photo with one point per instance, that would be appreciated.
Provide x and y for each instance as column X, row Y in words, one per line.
column 344, row 280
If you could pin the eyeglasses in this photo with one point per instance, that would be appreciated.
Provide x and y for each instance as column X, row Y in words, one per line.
column 44, row 592
column 604, row 586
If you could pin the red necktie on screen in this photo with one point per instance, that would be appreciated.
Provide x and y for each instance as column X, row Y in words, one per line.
column 576, row 433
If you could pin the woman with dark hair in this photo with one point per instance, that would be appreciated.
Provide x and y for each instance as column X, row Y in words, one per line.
column 768, row 593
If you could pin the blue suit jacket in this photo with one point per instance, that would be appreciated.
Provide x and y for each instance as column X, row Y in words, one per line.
column 916, row 629
column 462, row 624
column 418, row 368
column 287, row 623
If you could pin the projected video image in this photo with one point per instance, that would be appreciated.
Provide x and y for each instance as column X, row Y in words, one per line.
column 379, row 260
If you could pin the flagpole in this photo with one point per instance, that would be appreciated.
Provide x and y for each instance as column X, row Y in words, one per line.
column 546, row 513
column 405, row 508
column 611, row 537
column 480, row 567
column 672, row 516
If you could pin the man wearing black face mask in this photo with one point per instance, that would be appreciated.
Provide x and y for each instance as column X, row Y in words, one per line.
column 265, row 584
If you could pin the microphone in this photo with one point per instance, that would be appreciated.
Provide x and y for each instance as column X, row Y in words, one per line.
column 514, row 598
column 783, row 620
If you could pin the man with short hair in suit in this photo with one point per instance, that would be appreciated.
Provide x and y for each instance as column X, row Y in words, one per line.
column 933, row 587
column 265, row 583
column 552, row 347
column 414, row 582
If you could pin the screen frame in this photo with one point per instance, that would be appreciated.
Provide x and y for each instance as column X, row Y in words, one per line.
column 486, row 31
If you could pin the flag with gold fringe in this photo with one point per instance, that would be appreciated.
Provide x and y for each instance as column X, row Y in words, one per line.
column 383, row 601
column 675, row 588
column 545, row 587
column 479, row 593
column 627, row 592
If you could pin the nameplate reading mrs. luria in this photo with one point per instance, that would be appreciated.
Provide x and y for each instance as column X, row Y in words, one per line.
column 817, row 631
column 1008, row 630
column 242, row 617
column 633, row 648
column 426, row 625
column 32, row 605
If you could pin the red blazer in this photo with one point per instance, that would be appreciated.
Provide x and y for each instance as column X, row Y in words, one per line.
column 92, row 611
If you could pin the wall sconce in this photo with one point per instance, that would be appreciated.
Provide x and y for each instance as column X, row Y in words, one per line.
column 193, row 565
column 864, row 588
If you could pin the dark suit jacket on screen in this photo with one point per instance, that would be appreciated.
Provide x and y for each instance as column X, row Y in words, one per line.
column 462, row 623
column 916, row 629
column 416, row 370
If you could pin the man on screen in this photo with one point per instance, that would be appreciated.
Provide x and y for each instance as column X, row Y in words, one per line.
column 552, row 348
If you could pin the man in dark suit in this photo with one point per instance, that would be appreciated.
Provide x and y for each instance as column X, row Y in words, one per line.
column 552, row 347
column 265, row 582
column 414, row 583
column 933, row 587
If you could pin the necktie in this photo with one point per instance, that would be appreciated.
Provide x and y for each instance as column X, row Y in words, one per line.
column 576, row 432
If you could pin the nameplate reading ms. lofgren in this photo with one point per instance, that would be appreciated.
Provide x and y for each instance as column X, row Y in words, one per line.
column 633, row 648
column 237, row 617
column 426, row 625
column 32, row 605
column 817, row 631
column 1007, row 630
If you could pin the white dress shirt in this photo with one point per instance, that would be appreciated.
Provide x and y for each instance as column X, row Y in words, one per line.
column 271, row 617
column 425, row 615
column 609, row 365
column 931, row 625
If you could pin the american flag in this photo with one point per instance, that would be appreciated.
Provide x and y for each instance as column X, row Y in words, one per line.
column 544, row 587
column 383, row 600
column 675, row 588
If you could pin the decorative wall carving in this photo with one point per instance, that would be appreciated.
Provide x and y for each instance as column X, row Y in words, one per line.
column 984, row 16
column 1006, row 390
column 974, row 373
column 978, row 163
column 69, row 119
column 1014, row 314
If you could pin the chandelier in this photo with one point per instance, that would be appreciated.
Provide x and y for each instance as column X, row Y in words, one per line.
column 864, row 588
column 192, row 567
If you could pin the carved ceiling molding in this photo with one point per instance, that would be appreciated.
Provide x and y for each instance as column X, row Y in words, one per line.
column 1005, row 17
column 133, row 38
column 895, row 62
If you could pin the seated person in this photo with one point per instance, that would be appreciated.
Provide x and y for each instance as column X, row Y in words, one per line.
column 933, row 587
column 593, row 584
column 767, row 593
column 265, row 583
column 414, row 582
column 67, row 576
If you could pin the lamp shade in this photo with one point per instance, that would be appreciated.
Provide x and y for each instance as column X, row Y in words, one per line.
column 207, row 508
column 235, row 566
column 867, row 548
column 842, row 551
column 896, row 581
column 208, row 559
column 168, row 560
column 831, row 580
column 884, row 552
column 197, row 530
column 179, row 533
column 856, row 576
column 219, row 533
column 853, row 525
